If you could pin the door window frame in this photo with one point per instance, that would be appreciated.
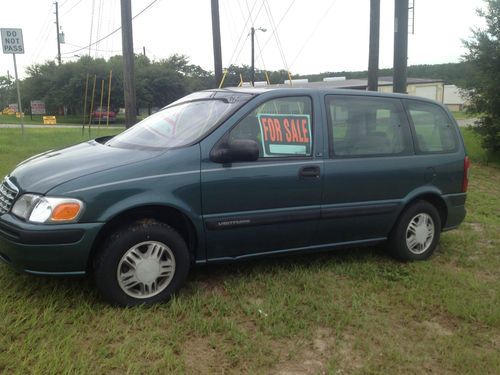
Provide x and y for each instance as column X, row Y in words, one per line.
column 407, row 135
column 225, row 136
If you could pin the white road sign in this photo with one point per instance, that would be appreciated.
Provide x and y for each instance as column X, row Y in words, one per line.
column 12, row 40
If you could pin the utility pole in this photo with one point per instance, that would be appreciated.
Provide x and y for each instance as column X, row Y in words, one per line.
column 216, row 42
column 58, row 40
column 252, row 68
column 128, row 64
column 400, row 45
column 144, row 50
column 374, row 45
column 252, row 71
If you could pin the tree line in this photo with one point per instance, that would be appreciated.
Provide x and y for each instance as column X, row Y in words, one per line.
column 159, row 82
column 63, row 86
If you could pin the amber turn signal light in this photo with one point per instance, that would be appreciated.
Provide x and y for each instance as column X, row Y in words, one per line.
column 65, row 212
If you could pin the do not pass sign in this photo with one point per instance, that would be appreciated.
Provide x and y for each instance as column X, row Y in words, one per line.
column 12, row 40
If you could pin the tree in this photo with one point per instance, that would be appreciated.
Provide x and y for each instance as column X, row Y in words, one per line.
column 6, row 92
column 484, row 82
column 158, row 82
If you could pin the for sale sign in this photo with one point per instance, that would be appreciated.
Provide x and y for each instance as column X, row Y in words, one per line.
column 37, row 107
column 12, row 40
column 283, row 135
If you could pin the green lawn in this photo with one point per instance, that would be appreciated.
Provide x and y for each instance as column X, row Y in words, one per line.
column 349, row 311
column 462, row 115
column 61, row 120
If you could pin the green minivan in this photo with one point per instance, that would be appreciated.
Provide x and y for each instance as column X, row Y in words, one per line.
column 231, row 174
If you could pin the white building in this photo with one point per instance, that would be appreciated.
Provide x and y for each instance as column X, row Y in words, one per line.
column 453, row 98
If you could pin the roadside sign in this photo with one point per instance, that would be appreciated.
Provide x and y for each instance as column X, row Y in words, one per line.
column 49, row 120
column 12, row 40
column 37, row 107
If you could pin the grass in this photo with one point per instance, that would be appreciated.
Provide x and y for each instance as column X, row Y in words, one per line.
column 14, row 148
column 462, row 115
column 475, row 151
column 61, row 120
column 348, row 311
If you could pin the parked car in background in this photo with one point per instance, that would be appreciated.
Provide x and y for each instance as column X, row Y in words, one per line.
column 231, row 174
column 103, row 113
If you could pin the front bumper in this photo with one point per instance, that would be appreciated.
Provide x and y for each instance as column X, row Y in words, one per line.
column 61, row 249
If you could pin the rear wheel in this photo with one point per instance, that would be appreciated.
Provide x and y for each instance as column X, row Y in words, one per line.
column 147, row 262
column 416, row 233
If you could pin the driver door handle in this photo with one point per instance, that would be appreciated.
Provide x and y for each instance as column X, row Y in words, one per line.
column 309, row 171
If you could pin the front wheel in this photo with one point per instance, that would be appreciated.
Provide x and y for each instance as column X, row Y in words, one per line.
column 144, row 263
column 416, row 234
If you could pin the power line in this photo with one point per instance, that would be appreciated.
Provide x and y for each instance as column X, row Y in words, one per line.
column 99, row 50
column 241, row 36
column 313, row 32
column 277, row 27
column 99, row 21
column 73, row 7
column 245, row 30
column 256, row 39
column 63, row 3
column 109, row 45
column 232, row 24
column 43, row 35
column 275, row 33
column 91, row 24
column 114, row 31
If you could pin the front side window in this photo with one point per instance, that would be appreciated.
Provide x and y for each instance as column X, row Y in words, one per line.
column 181, row 123
column 366, row 126
column 433, row 128
column 281, row 127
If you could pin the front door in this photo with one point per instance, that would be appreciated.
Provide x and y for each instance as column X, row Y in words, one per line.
column 272, row 204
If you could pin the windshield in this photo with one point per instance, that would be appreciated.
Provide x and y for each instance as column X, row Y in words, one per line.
column 181, row 123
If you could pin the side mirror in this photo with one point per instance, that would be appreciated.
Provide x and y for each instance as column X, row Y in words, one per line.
column 236, row 150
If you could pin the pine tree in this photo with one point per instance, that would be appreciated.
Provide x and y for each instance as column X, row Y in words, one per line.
column 483, row 86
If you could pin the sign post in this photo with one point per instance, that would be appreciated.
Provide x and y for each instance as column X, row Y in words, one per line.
column 12, row 42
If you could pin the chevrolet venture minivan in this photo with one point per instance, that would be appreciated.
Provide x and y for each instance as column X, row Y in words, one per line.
column 231, row 174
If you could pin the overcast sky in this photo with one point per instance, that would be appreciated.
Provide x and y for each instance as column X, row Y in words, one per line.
column 316, row 35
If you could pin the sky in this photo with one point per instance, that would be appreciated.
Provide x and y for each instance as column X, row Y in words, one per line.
column 315, row 35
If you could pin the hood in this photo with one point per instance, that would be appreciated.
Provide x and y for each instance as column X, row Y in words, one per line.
column 43, row 172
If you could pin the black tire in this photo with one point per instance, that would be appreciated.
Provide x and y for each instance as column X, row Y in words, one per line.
column 108, row 260
column 401, row 233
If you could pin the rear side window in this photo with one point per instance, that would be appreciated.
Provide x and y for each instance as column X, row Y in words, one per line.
column 366, row 126
column 281, row 127
column 433, row 128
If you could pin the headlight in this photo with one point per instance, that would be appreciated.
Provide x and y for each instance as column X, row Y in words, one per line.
column 40, row 209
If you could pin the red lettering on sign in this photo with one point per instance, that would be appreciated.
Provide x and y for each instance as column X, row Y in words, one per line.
column 277, row 128
column 305, row 130
column 263, row 120
column 295, row 135
column 270, row 129
column 288, row 134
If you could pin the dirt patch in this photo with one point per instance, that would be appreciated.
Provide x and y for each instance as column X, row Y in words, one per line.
column 200, row 357
column 313, row 357
column 437, row 329
column 212, row 287
column 476, row 227
column 350, row 358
